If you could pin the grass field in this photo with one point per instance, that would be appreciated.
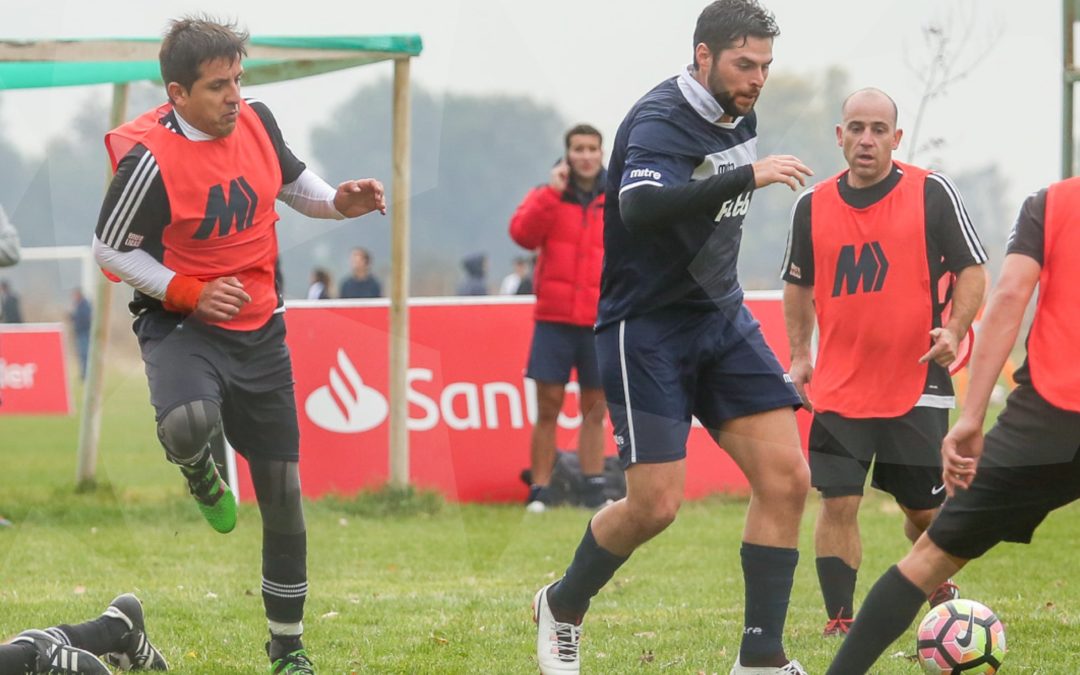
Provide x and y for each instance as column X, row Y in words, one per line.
column 428, row 587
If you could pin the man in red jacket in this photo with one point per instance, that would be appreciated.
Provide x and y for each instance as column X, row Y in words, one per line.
column 564, row 222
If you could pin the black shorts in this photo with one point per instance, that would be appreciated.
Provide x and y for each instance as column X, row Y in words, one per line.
column 558, row 347
column 1030, row 466
column 247, row 373
column 905, row 450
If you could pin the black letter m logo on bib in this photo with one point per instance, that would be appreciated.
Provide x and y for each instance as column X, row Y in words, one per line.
column 222, row 212
column 868, row 270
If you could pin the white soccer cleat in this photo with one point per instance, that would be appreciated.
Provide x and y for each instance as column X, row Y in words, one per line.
column 556, row 643
column 792, row 667
column 536, row 507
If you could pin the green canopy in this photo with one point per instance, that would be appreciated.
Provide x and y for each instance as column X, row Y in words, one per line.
column 62, row 63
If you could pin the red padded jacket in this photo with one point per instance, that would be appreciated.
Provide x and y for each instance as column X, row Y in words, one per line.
column 569, row 240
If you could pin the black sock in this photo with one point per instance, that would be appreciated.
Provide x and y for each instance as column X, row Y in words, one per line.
column 102, row 635
column 837, row 586
column 593, row 489
column 890, row 607
column 768, row 573
column 18, row 659
column 284, row 586
column 591, row 568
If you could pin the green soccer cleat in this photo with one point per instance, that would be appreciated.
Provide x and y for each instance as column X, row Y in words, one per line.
column 213, row 496
column 295, row 662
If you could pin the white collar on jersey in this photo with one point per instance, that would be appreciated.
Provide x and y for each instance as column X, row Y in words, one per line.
column 703, row 102
column 190, row 132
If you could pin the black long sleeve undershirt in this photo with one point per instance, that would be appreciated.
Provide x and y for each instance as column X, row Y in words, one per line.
column 651, row 207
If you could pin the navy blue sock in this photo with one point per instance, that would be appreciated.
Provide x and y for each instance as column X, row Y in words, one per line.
column 837, row 586
column 768, row 573
column 591, row 568
column 17, row 659
column 890, row 607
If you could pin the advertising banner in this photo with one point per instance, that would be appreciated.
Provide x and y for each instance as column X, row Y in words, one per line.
column 33, row 370
column 470, row 406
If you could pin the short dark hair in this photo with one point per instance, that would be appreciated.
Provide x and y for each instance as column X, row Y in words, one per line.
column 582, row 130
column 364, row 252
column 191, row 41
column 725, row 22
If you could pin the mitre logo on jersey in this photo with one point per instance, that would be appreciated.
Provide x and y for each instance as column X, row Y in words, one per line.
column 223, row 212
column 867, row 271
column 346, row 405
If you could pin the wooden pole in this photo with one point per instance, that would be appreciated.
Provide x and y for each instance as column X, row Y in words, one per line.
column 93, row 393
column 399, row 284
column 1068, row 81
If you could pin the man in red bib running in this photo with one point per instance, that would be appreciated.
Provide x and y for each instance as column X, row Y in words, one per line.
column 189, row 222
column 1003, row 485
column 869, row 250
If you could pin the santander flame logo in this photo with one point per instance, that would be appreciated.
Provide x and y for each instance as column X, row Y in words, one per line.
column 346, row 405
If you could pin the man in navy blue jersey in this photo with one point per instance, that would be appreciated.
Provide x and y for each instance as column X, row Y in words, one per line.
column 675, row 341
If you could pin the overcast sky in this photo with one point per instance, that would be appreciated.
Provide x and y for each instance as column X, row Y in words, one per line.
column 593, row 58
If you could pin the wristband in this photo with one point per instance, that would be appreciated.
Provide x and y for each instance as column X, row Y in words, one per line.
column 183, row 293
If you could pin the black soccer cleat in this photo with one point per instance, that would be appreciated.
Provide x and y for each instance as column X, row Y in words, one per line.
column 137, row 653
column 53, row 656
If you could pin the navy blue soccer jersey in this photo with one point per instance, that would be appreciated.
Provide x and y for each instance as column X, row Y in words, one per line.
column 671, row 137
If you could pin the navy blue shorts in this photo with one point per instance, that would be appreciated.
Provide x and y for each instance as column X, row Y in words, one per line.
column 661, row 368
column 558, row 347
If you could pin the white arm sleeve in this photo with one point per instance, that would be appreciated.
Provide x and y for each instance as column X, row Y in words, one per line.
column 136, row 267
column 311, row 195
column 9, row 241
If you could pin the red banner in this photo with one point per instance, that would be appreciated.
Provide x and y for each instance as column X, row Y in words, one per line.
column 470, row 407
column 33, row 370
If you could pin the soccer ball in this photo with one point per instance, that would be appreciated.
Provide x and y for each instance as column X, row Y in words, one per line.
column 961, row 637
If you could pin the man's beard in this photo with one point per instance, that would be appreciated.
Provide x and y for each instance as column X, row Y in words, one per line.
column 725, row 99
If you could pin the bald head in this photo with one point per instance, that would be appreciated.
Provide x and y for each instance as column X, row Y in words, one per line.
column 871, row 98
column 868, row 136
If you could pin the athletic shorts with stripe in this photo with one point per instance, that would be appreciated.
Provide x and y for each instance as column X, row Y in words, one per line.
column 905, row 450
column 1030, row 466
column 661, row 368
column 247, row 373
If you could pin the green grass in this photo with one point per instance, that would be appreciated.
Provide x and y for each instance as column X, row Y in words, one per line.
column 403, row 583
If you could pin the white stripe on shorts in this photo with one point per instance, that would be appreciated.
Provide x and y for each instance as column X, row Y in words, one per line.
column 626, row 391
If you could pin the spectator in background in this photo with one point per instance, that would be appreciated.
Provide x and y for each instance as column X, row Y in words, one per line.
column 564, row 222
column 320, row 285
column 475, row 281
column 10, row 309
column 362, row 284
column 80, row 317
column 526, row 286
column 9, row 241
column 512, row 282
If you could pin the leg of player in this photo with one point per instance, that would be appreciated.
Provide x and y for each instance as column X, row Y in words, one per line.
column 591, row 446
column 185, row 433
column 892, row 604
column 654, row 493
column 38, row 651
column 284, row 566
column 915, row 523
column 767, row 448
column 549, row 400
column 838, row 549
